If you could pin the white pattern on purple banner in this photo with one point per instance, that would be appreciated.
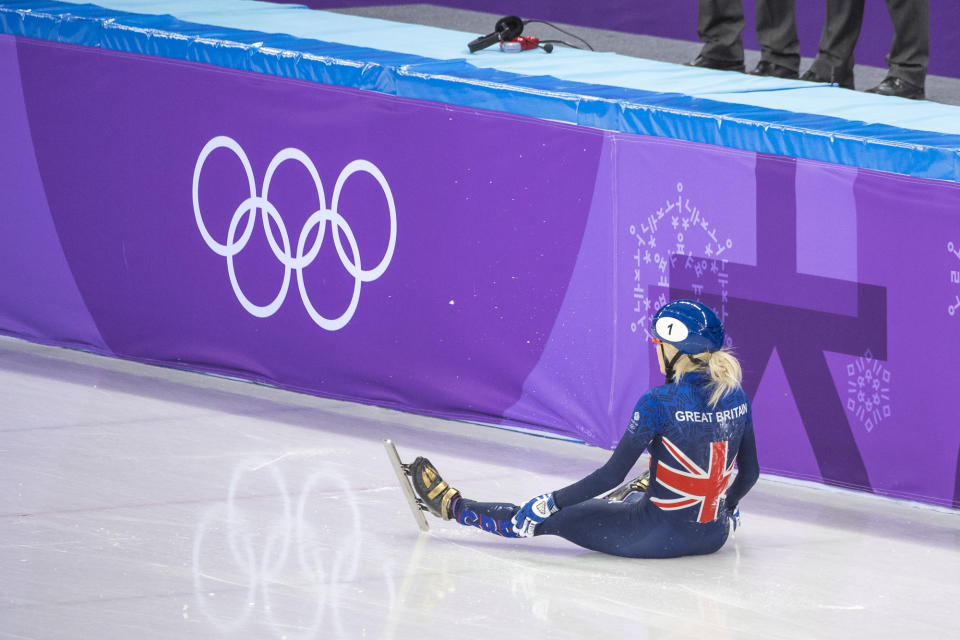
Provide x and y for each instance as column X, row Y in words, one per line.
column 319, row 219
column 868, row 390
column 954, row 279
column 683, row 224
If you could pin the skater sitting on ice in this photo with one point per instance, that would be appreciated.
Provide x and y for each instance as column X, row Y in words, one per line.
column 695, row 427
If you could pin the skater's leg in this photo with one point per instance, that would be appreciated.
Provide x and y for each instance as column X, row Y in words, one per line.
column 494, row 517
column 445, row 502
column 632, row 491
column 633, row 530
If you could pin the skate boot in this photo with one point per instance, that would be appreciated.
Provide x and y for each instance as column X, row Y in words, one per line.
column 640, row 483
column 435, row 494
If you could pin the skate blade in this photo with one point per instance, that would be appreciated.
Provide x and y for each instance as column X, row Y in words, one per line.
column 639, row 484
column 403, row 475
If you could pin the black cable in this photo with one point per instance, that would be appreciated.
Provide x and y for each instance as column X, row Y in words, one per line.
column 566, row 44
column 572, row 35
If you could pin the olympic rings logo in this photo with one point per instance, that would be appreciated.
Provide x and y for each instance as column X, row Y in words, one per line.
column 303, row 257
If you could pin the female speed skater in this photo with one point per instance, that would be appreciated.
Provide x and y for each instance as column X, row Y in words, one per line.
column 696, row 426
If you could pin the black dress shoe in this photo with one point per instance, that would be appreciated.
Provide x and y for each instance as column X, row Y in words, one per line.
column 765, row 68
column 842, row 78
column 892, row 86
column 722, row 65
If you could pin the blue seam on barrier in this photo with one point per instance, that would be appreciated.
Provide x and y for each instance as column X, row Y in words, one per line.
column 880, row 147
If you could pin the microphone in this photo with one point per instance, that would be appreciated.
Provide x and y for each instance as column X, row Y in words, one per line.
column 524, row 43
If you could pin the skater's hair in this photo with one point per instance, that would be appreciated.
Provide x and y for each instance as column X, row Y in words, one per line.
column 725, row 372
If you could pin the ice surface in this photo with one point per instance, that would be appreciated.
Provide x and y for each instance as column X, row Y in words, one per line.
column 140, row 502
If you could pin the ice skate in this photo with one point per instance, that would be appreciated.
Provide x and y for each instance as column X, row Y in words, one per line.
column 434, row 493
column 640, row 483
column 417, row 507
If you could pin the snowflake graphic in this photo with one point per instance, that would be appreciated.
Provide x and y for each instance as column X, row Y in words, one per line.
column 868, row 390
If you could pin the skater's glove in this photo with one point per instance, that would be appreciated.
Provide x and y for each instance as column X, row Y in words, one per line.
column 734, row 516
column 533, row 513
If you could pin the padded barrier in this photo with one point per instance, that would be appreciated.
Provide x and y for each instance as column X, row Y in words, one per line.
column 781, row 117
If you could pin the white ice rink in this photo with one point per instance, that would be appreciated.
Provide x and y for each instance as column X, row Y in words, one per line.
column 139, row 502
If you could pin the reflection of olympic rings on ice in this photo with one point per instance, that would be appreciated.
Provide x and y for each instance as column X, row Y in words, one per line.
column 283, row 550
column 319, row 218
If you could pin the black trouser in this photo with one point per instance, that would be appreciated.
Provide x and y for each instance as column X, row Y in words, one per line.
column 720, row 25
column 909, row 51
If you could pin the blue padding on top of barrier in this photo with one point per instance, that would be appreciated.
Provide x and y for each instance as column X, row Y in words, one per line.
column 737, row 111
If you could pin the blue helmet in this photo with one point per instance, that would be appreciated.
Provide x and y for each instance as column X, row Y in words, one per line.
column 689, row 326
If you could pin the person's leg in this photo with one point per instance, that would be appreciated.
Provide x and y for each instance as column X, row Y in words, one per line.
column 632, row 491
column 909, row 51
column 445, row 502
column 777, row 35
column 617, row 528
column 493, row 517
column 719, row 25
column 635, row 530
column 841, row 30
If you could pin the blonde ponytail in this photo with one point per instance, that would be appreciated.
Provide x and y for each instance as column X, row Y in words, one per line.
column 725, row 372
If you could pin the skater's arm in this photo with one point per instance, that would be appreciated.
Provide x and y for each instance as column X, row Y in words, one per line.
column 639, row 433
column 748, row 469
column 607, row 477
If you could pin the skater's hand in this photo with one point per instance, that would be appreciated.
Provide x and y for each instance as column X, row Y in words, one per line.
column 533, row 513
column 734, row 516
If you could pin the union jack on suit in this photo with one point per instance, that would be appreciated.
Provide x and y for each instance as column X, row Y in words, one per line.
column 695, row 486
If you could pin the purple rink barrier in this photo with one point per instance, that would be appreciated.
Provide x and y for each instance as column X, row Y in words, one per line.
column 470, row 264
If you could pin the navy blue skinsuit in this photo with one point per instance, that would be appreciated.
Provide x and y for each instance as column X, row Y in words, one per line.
column 684, row 512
